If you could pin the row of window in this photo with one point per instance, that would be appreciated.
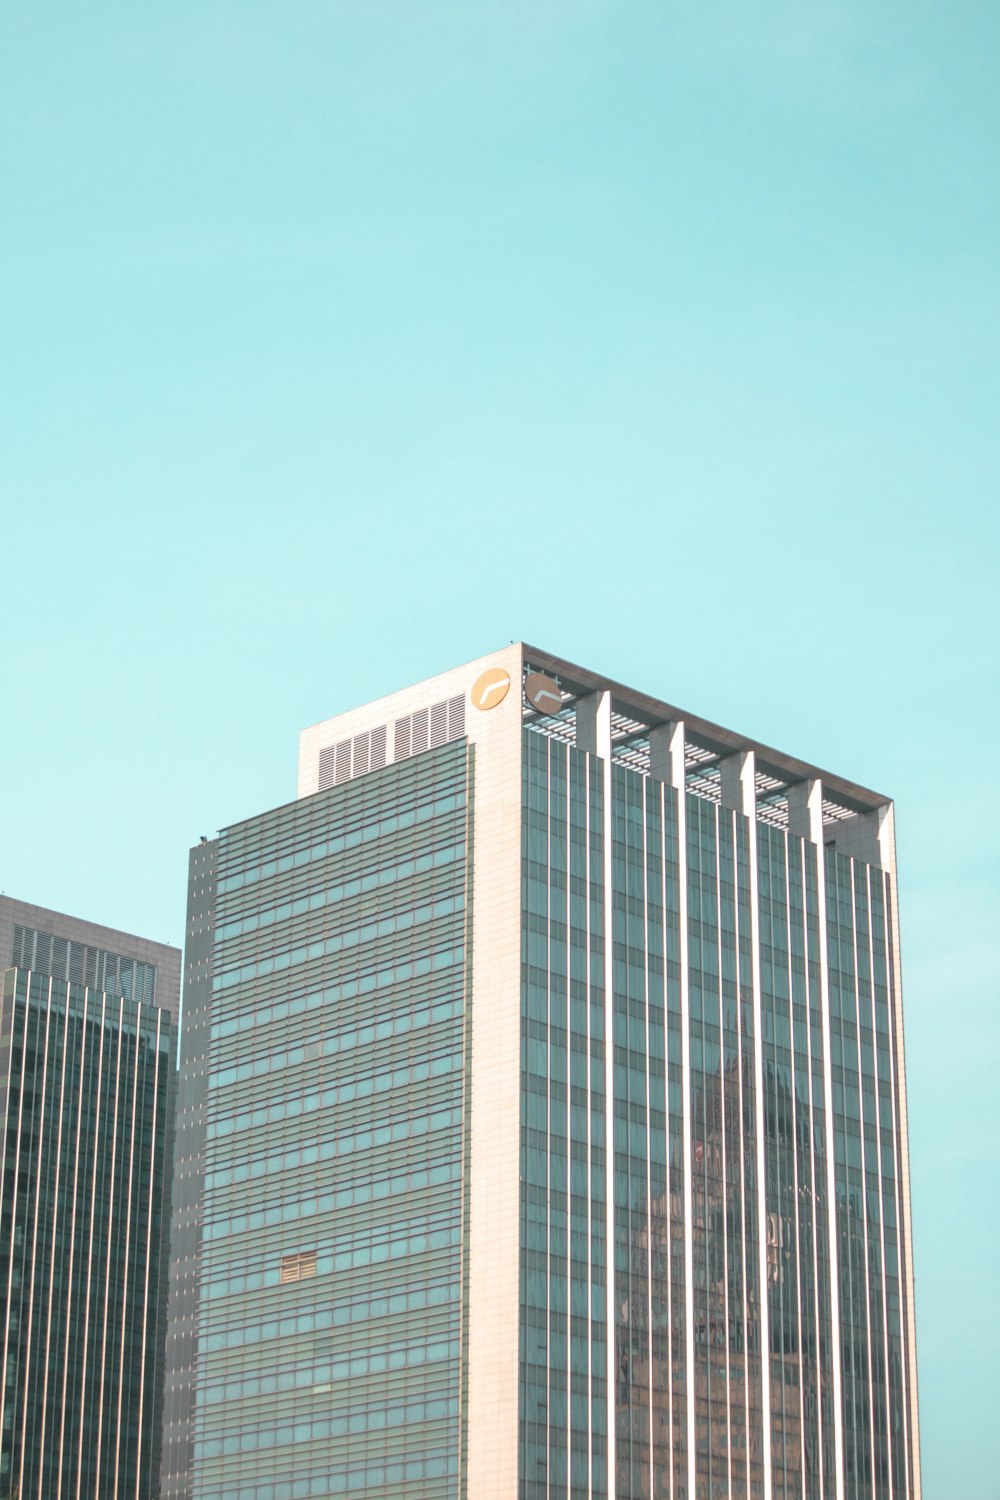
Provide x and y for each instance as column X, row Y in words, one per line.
column 369, row 832
column 353, row 937
column 358, row 1243
column 379, row 1481
column 301, row 1153
column 352, row 1143
column 267, row 1062
column 239, row 1375
column 296, row 1426
column 357, row 1191
column 401, row 1006
column 371, row 880
column 295, row 932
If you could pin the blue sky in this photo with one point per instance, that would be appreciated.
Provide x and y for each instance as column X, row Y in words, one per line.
column 343, row 342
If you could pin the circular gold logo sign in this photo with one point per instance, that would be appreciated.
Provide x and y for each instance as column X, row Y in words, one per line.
column 490, row 688
column 542, row 693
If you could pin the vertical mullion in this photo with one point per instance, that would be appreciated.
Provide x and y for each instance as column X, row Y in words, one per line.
column 796, row 1200
column 662, row 796
column 17, row 1176
column 149, row 1251
column 84, row 1060
column 39, row 1165
column 462, row 1461
column 723, row 1146
column 102, row 1378
column 892, row 999
column 688, row 1154
column 85, row 1392
column 604, row 762
column 831, row 1183
column 568, row 928
column 60, row 1118
column 126, row 1259
column 588, row 981
column 644, row 790
column 870, row 877
column 867, row 1304
column 13, row 1199
column 765, row 1323
column 814, row 1194
column 911, row 1431
column 744, row 1184
column 548, row 1121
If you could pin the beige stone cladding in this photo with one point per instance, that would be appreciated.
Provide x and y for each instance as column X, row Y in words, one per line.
column 494, row 1083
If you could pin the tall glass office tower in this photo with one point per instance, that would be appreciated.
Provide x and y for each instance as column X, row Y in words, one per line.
column 86, row 1093
column 542, row 1126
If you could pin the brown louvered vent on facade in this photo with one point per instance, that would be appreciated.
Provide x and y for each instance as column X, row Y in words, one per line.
column 298, row 1267
column 429, row 727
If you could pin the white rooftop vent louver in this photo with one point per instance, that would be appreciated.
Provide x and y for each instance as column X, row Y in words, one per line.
column 421, row 730
column 350, row 758
column 428, row 727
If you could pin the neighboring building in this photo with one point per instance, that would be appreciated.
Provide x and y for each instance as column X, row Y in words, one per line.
column 542, row 1124
column 87, row 1078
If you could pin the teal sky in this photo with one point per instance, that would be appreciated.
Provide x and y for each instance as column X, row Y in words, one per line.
column 344, row 341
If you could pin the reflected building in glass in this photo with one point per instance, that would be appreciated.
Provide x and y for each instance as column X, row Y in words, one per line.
column 87, row 1074
column 542, row 1125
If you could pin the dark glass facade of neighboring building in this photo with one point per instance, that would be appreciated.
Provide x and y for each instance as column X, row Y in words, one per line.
column 87, row 1081
column 329, row 1023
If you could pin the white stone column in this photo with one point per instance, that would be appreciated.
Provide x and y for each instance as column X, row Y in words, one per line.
column 805, row 811
column 737, row 781
column 867, row 836
column 593, row 735
column 886, row 824
column 593, row 724
column 738, row 791
column 805, row 821
column 666, row 753
column 666, row 761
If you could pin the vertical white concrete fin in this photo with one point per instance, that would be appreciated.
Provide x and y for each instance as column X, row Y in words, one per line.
column 831, row 1182
column 593, row 724
column 805, row 810
column 867, row 836
column 887, row 837
column 675, row 741
column 738, row 785
column 593, row 718
column 666, row 753
column 739, row 792
column 883, row 827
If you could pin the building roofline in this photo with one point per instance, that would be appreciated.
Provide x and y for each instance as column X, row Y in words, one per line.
column 81, row 929
column 373, row 703
column 655, row 711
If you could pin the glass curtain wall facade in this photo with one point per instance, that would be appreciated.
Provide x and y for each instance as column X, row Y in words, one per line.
column 330, row 1021
column 709, row 1086
column 86, row 1101
column 564, row 1209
